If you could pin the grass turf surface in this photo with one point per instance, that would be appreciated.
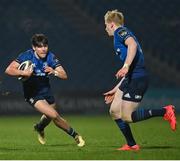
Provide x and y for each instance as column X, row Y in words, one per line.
column 19, row 141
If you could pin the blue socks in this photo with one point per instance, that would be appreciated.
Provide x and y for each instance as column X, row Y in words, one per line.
column 126, row 130
column 138, row 115
column 143, row 114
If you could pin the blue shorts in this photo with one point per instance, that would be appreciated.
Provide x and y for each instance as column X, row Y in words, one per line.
column 134, row 89
column 32, row 100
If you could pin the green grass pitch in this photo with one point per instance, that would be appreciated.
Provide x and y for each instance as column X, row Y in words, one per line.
column 18, row 141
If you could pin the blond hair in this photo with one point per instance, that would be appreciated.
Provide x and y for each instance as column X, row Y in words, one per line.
column 114, row 16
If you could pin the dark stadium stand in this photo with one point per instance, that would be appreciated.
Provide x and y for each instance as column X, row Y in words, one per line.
column 76, row 32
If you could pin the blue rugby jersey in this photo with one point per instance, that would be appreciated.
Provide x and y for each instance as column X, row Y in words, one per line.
column 38, row 83
column 137, row 68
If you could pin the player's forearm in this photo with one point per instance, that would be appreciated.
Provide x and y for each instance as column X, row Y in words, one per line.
column 60, row 74
column 14, row 72
column 132, row 48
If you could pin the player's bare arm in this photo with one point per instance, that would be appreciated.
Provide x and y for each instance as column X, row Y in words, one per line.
column 58, row 72
column 132, row 48
column 13, row 70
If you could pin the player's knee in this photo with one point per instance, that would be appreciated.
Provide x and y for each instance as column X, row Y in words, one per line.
column 127, row 118
column 114, row 114
column 54, row 115
column 54, row 106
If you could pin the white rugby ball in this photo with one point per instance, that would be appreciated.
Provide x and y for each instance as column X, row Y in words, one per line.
column 24, row 66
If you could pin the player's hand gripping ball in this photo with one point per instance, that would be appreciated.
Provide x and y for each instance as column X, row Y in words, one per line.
column 25, row 66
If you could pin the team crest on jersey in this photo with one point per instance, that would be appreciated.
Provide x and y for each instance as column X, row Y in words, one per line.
column 123, row 33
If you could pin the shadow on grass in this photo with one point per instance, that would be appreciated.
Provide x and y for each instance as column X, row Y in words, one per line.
column 60, row 145
column 10, row 149
column 160, row 147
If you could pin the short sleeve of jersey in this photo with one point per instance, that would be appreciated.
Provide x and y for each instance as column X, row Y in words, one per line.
column 124, row 34
column 54, row 61
column 21, row 58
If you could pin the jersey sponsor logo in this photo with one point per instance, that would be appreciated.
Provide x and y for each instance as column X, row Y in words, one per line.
column 127, row 95
column 38, row 72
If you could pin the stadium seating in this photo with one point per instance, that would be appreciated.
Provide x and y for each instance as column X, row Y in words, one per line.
column 76, row 33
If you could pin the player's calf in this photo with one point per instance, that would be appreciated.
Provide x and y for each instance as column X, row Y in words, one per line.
column 114, row 114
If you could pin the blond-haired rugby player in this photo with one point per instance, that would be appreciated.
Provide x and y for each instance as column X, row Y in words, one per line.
column 127, row 95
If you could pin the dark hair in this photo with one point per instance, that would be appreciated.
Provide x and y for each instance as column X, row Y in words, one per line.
column 39, row 40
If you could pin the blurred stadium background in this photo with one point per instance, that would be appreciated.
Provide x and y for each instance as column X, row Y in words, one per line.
column 76, row 34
